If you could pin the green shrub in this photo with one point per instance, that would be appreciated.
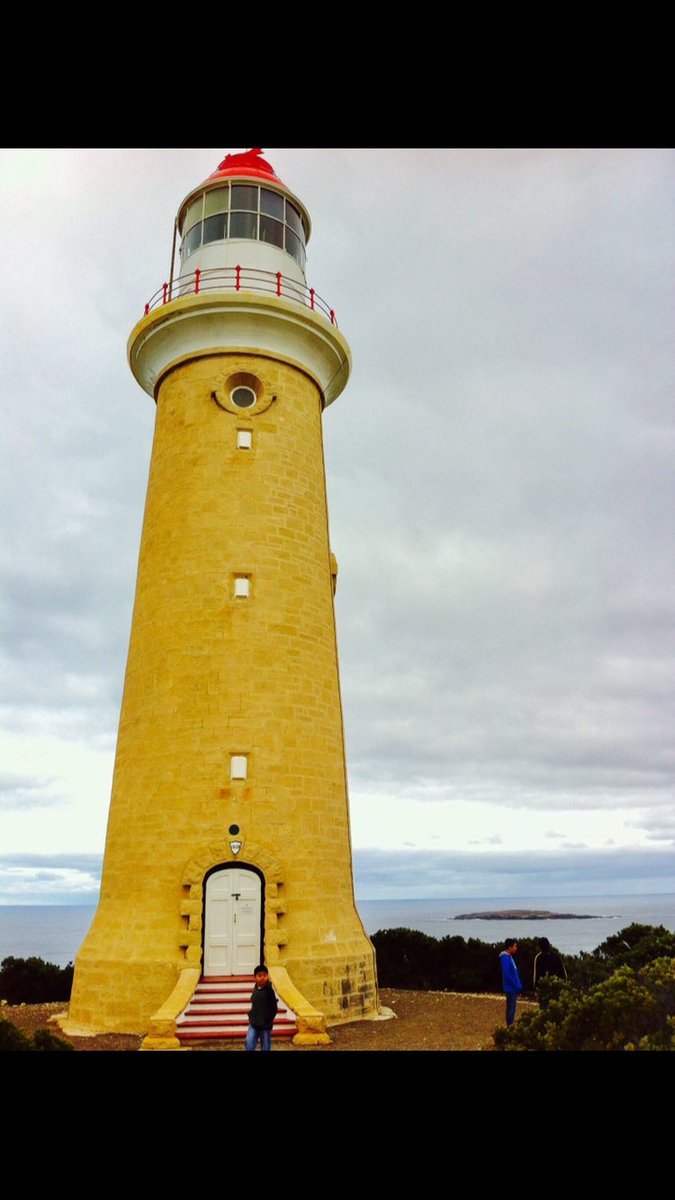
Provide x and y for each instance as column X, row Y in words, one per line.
column 634, row 946
column 33, row 981
column 44, row 1039
column 407, row 958
column 637, row 945
column 630, row 1010
column 12, row 1038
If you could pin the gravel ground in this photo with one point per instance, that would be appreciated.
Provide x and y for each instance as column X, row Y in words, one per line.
column 424, row 1021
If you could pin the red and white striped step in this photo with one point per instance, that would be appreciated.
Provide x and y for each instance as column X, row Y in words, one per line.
column 219, row 1009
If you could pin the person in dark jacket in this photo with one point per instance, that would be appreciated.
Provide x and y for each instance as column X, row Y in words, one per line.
column 510, row 978
column 547, row 962
column 262, row 1012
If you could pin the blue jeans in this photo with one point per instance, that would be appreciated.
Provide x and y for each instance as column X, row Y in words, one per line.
column 511, row 998
column 265, row 1036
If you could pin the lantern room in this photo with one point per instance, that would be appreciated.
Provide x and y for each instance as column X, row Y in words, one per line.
column 243, row 213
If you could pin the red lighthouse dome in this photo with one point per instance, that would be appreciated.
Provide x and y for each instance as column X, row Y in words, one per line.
column 250, row 164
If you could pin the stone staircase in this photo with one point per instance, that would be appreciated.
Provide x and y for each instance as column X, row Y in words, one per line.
column 219, row 1009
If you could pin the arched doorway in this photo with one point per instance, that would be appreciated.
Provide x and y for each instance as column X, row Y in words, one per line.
column 233, row 926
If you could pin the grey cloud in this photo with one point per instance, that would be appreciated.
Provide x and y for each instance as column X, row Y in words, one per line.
column 25, row 792
column 426, row 873
column 57, row 878
column 499, row 468
column 11, row 782
column 506, row 608
column 89, row 864
column 659, row 826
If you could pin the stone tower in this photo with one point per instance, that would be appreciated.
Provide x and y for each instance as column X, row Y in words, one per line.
column 228, row 837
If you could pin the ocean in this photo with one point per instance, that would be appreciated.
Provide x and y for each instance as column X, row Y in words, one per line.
column 608, row 914
column 55, row 932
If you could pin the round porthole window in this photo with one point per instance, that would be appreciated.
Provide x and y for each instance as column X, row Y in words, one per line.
column 243, row 397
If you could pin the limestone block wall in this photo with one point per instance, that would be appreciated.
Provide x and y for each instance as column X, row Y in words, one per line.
column 211, row 675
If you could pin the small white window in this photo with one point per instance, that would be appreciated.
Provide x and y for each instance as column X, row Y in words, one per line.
column 242, row 586
column 238, row 766
column 244, row 439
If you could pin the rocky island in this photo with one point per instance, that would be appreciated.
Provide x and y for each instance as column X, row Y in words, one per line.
column 524, row 914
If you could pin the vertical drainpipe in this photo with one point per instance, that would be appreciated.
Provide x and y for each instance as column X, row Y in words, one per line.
column 173, row 257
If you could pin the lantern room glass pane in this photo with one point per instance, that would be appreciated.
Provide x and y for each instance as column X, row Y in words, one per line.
column 295, row 247
column 244, row 197
column 243, row 225
column 215, row 228
column 193, row 239
column 294, row 219
column 272, row 204
column 194, row 212
column 271, row 231
column 216, row 201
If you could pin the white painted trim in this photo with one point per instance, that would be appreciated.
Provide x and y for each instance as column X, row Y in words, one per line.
column 241, row 322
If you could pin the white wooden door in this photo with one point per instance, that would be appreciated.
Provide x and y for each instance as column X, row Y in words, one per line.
column 232, row 922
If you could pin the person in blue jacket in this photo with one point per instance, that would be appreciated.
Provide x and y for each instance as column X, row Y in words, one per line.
column 510, row 978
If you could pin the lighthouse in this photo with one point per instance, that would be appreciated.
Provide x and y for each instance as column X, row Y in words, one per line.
column 228, row 838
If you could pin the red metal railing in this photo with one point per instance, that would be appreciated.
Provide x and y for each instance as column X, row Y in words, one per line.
column 250, row 279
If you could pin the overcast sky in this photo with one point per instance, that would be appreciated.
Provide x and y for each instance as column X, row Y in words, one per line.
column 501, row 491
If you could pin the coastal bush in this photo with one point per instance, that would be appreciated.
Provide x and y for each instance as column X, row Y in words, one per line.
column 637, row 945
column 630, row 1010
column 634, row 946
column 473, row 966
column 14, row 1039
column 468, row 966
column 33, row 981
column 407, row 958
column 44, row 1039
